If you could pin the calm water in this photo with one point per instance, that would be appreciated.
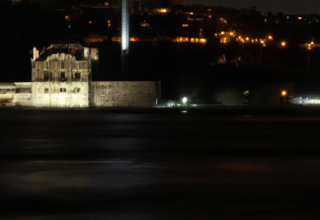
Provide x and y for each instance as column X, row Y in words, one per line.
column 135, row 164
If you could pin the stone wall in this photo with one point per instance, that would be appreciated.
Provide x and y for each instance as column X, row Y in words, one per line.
column 125, row 94
column 60, row 94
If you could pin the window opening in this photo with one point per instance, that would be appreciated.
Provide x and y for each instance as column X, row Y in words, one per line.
column 63, row 76
column 77, row 76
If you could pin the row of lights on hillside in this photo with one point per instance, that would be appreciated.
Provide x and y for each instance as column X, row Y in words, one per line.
column 227, row 35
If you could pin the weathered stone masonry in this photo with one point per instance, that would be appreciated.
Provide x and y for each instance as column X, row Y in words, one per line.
column 64, row 80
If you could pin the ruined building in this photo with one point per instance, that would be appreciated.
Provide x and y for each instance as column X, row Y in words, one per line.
column 62, row 78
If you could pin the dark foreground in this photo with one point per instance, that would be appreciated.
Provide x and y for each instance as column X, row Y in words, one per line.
column 159, row 164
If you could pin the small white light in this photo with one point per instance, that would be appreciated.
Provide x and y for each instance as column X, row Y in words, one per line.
column 184, row 100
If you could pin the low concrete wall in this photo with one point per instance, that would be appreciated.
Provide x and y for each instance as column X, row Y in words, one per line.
column 125, row 93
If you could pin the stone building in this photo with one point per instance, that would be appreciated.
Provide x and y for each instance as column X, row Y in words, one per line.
column 62, row 78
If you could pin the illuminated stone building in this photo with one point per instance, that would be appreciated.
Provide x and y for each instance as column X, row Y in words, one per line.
column 62, row 78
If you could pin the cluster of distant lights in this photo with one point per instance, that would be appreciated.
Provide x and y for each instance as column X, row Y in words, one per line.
column 310, row 45
column 312, row 101
column 226, row 36
column 182, row 103
column 309, row 101
column 191, row 40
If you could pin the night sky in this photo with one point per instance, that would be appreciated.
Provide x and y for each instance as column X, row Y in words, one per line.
column 285, row 6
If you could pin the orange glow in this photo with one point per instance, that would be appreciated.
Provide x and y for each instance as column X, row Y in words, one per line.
column 270, row 37
column 192, row 40
column 90, row 22
column 284, row 93
column 312, row 42
column 116, row 39
column 262, row 42
column 185, row 25
column 222, row 32
column 231, row 33
column 203, row 40
column 247, row 38
column 299, row 18
column 283, row 44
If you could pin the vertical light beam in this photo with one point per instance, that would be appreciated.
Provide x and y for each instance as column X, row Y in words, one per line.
column 125, row 26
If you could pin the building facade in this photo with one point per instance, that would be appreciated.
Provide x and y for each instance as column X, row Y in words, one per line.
column 62, row 78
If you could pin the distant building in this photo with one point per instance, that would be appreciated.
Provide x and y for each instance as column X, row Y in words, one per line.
column 62, row 78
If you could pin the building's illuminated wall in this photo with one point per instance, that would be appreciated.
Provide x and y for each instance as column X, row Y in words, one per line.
column 61, row 81
column 125, row 94
column 54, row 65
column 125, row 25
column 60, row 94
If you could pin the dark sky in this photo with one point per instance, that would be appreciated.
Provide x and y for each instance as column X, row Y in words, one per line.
column 285, row 6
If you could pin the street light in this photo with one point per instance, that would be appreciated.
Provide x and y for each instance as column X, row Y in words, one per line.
column 284, row 93
column 184, row 100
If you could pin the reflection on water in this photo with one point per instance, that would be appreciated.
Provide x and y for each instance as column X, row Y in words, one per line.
column 96, row 165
